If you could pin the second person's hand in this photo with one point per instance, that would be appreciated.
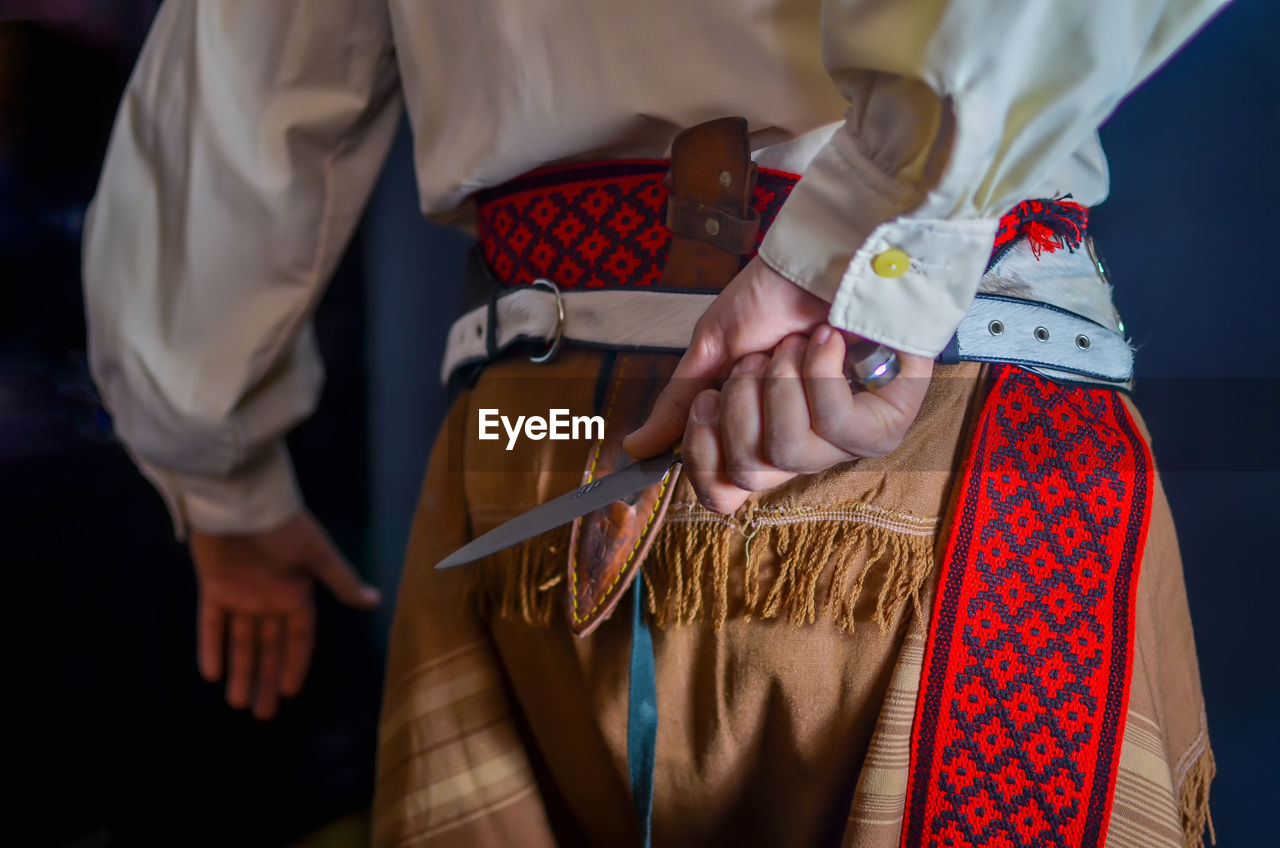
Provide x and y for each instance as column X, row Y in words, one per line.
column 257, row 613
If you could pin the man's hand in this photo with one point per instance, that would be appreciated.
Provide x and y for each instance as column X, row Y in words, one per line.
column 758, row 309
column 257, row 615
column 793, row 413
column 785, row 409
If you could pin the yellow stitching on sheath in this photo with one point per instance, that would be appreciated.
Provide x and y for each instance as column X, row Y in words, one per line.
column 648, row 524
column 591, row 473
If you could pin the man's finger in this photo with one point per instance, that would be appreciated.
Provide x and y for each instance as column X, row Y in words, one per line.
column 299, row 639
column 788, row 440
column 740, row 426
column 701, row 365
column 329, row 567
column 212, row 632
column 861, row 422
column 831, row 407
column 240, row 668
column 266, row 694
column 703, row 459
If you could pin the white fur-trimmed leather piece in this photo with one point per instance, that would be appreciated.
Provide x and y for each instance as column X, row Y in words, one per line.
column 622, row 319
column 1073, row 347
column 1037, row 335
column 1062, row 293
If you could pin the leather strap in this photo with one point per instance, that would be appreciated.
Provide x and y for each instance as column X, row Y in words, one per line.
column 642, row 715
column 711, row 169
column 716, row 227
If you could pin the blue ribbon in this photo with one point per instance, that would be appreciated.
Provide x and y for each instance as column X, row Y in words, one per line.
column 642, row 714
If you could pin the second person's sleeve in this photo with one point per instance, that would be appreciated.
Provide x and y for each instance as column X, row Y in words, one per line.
column 244, row 151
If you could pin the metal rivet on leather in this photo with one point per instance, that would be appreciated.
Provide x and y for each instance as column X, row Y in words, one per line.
column 726, row 179
column 995, row 328
column 1082, row 342
column 713, row 226
column 1042, row 335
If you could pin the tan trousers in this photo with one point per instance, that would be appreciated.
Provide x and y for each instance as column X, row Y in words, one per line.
column 788, row 646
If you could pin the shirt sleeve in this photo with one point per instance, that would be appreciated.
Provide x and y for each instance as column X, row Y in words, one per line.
column 245, row 148
column 958, row 111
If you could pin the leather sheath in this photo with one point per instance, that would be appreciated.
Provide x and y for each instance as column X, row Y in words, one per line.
column 710, row 186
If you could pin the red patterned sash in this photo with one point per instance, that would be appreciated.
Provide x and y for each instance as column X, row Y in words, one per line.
column 592, row 224
column 1026, row 674
column 602, row 224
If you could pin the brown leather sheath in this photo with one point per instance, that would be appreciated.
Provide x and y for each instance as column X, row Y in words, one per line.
column 709, row 212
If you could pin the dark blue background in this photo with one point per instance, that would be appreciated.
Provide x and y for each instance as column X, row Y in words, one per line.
column 1191, row 231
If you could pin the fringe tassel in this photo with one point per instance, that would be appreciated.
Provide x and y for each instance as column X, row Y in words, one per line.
column 1048, row 226
column 524, row 582
column 1194, row 800
column 690, row 559
column 898, row 562
column 687, row 573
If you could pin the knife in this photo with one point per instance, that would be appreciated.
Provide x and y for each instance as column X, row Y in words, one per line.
column 866, row 363
column 636, row 477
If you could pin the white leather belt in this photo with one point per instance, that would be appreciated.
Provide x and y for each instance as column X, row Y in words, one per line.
column 1044, row 338
column 1041, row 337
column 650, row 320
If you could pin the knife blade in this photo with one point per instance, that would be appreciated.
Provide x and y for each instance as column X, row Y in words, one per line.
column 609, row 488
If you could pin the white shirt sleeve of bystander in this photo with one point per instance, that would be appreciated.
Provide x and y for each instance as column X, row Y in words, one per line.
column 958, row 111
column 245, row 148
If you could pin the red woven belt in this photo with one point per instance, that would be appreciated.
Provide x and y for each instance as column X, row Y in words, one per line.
column 602, row 224
column 1025, row 685
column 592, row 225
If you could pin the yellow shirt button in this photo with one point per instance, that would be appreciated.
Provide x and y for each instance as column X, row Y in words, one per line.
column 891, row 263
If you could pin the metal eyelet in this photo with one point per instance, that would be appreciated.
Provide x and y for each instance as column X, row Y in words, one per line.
column 995, row 328
column 1041, row 334
column 1082, row 342
column 554, row 347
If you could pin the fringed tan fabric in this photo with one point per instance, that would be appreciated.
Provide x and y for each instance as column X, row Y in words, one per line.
column 1193, row 798
column 688, row 570
column 690, row 567
column 527, row 582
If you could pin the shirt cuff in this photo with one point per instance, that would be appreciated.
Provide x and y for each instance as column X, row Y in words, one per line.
column 259, row 496
column 834, row 235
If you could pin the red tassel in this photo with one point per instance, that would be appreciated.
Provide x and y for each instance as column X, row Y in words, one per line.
column 1041, row 238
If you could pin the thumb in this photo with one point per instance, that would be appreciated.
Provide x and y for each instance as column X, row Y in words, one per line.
column 329, row 567
column 698, row 369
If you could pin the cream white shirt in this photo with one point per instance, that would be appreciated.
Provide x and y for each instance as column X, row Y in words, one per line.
column 252, row 132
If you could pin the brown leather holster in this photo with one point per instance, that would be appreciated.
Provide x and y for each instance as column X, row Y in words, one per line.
column 713, row 224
